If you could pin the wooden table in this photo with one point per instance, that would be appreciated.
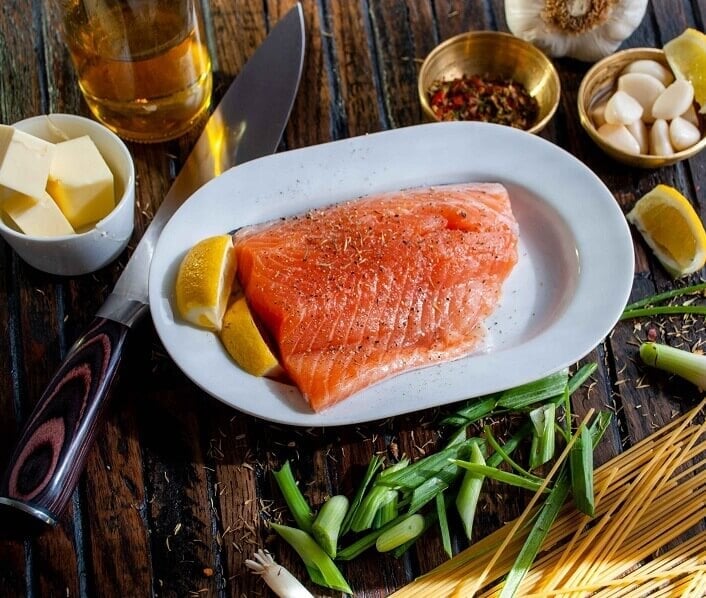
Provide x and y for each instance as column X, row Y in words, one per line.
column 178, row 489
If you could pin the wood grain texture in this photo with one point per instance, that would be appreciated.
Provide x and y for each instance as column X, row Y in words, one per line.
column 178, row 490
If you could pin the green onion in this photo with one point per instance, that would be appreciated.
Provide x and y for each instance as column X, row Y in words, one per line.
column 534, row 392
column 509, row 447
column 373, row 466
column 599, row 426
column 327, row 524
column 547, row 515
column 498, row 474
column 580, row 376
column 581, row 465
column 386, row 513
column 443, row 524
column 473, row 411
column 429, row 520
column 319, row 565
column 505, row 457
column 690, row 366
column 663, row 310
column 423, row 469
column 665, row 296
column 377, row 497
column 543, row 437
column 467, row 497
column 428, row 490
column 300, row 509
column 409, row 529
column 364, row 542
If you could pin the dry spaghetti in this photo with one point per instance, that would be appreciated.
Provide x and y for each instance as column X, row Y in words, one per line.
column 647, row 497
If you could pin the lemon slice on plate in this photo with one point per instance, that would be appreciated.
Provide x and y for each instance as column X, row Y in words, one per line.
column 242, row 339
column 672, row 229
column 204, row 282
column 686, row 54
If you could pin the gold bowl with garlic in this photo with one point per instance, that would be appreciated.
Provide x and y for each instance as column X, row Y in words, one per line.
column 650, row 140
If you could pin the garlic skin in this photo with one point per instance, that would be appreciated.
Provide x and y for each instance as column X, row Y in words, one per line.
column 584, row 29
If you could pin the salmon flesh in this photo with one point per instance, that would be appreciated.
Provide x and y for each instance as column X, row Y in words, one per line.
column 363, row 290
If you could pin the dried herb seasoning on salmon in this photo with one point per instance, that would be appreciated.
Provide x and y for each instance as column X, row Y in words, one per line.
column 361, row 291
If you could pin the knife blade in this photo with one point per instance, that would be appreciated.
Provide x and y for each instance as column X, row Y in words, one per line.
column 53, row 446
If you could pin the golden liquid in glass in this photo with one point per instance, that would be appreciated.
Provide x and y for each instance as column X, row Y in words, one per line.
column 146, row 74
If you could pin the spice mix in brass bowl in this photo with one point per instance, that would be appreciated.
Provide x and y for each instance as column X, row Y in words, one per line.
column 489, row 76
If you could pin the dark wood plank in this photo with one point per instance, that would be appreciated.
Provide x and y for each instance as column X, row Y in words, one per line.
column 12, row 549
column 311, row 121
column 399, row 48
column 456, row 16
column 361, row 110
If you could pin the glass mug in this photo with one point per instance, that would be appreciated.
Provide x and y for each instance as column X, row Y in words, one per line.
column 143, row 65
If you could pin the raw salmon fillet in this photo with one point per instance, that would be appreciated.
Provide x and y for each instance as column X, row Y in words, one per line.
column 360, row 291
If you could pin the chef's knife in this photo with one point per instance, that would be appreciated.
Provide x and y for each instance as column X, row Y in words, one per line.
column 54, row 444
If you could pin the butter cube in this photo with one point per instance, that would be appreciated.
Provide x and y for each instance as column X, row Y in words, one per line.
column 81, row 182
column 39, row 217
column 24, row 162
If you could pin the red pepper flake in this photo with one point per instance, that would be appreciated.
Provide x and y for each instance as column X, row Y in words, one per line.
column 501, row 101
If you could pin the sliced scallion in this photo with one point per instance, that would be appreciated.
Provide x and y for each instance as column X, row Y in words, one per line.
column 468, row 493
column 327, row 525
column 473, row 411
column 498, row 474
column 580, row 376
column 373, row 466
column 666, row 295
column 298, row 506
column 409, row 529
column 543, row 437
column 319, row 565
column 423, row 469
column 688, row 365
column 581, row 465
column 386, row 513
column 367, row 541
column 443, row 524
column 490, row 438
column 534, row 392
column 542, row 524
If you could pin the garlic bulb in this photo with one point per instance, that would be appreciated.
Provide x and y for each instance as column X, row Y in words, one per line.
column 583, row 29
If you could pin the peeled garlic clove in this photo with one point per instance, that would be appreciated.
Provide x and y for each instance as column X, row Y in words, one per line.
column 622, row 109
column 690, row 116
column 597, row 113
column 644, row 88
column 683, row 134
column 638, row 130
column 653, row 68
column 660, row 144
column 620, row 138
column 674, row 100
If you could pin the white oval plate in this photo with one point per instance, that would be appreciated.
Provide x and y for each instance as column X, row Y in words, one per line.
column 571, row 282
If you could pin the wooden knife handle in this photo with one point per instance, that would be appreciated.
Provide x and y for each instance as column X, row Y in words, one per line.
column 51, row 453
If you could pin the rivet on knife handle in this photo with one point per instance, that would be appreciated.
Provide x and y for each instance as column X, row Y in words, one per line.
column 52, row 450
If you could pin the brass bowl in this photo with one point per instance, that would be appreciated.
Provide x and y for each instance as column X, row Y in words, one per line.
column 495, row 54
column 599, row 81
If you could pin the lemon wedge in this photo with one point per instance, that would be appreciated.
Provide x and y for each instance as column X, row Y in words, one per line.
column 686, row 54
column 244, row 343
column 204, row 282
column 672, row 229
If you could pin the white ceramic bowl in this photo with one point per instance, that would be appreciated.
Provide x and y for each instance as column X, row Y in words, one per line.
column 90, row 250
